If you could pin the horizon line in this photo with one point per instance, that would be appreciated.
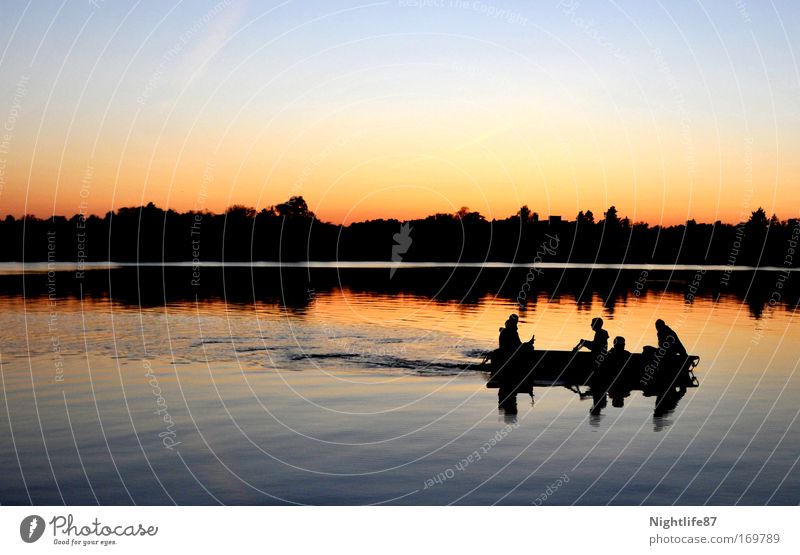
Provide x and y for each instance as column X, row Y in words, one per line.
column 39, row 267
column 549, row 219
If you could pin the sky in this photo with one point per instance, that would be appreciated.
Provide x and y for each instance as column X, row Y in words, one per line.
column 403, row 108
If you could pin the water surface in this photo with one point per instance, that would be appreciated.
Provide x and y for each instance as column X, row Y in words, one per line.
column 337, row 385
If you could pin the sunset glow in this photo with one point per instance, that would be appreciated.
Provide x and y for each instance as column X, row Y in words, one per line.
column 402, row 109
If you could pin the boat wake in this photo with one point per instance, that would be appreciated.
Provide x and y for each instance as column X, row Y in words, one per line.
column 435, row 367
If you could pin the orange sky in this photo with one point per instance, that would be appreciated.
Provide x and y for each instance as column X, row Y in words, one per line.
column 427, row 115
column 401, row 168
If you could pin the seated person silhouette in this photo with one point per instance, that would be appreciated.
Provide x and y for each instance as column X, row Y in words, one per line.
column 510, row 343
column 598, row 345
column 618, row 371
column 509, row 335
column 512, row 354
column 668, row 339
column 605, row 380
column 666, row 360
column 618, row 356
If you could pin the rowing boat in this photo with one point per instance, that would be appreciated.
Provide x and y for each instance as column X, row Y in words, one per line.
column 645, row 371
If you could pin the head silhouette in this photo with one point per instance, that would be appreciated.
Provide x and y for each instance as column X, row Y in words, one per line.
column 597, row 323
column 619, row 342
column 512, row 321
column 660, row 324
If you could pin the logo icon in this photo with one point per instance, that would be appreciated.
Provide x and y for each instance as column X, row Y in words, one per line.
column 403, row 241
column 31, row 528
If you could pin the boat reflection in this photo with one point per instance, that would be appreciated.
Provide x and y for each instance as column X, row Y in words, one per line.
column 614, row 376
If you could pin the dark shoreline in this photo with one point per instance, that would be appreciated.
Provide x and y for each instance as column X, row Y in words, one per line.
column 290, row 232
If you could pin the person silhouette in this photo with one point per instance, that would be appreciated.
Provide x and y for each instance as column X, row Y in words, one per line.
column 618, row 356
column 668, row 339
column 598, row 345
column 511, row 364
column 509, row 336
column 618, row 372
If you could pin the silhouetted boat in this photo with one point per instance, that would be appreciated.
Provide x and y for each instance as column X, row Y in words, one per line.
column 631, row 371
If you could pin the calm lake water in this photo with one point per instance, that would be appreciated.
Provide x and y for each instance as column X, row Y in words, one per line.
column 331, row 385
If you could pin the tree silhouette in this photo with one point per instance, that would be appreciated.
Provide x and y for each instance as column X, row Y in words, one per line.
column 294, row 208
column 758, row 219
column 239, row 211
column 585, row 218
column 611, row 217
column 290, row 231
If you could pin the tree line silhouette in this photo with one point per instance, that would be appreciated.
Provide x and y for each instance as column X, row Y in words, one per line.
column 291, row 232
